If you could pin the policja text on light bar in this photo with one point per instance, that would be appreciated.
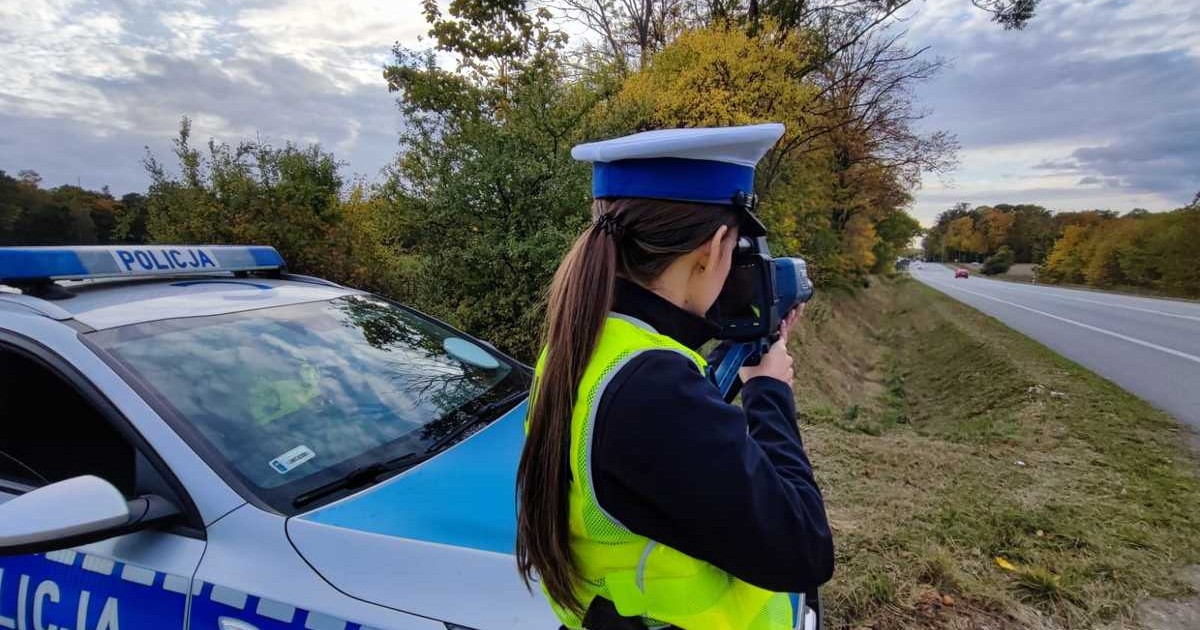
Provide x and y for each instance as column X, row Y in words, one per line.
column 31, row 264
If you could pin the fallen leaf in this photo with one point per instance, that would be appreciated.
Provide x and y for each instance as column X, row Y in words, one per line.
column 1005, row 564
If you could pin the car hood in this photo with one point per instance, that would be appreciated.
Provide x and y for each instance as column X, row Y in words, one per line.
column 437, row 540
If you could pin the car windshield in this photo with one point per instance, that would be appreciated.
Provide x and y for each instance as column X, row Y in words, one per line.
column 291, row 398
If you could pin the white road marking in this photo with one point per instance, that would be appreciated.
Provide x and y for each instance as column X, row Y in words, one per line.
column 1050, row 293
column 1141, row 342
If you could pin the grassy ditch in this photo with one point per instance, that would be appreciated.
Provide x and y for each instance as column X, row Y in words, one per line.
column 976, row 479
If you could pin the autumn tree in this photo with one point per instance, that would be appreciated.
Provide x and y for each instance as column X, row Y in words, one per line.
column 994, row 226
column 1027, row 230
column 961, row 236
column 1066, row 259
column 1103, row 253
column 33, row 215
column 840, row 168
column 1032, row 231
column 1151, row 250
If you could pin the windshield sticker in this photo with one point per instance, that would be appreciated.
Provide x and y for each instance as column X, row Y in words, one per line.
column 291, row 459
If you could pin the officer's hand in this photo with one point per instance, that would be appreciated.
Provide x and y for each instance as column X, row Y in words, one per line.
column 785, row 327
column 776, row 363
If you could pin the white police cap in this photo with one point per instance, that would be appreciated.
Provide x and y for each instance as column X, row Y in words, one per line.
column 705, row 165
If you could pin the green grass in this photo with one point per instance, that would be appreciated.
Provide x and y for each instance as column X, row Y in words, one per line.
column 943, row 440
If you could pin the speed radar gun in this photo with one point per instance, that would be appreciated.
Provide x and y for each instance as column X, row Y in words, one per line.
column 760, row 292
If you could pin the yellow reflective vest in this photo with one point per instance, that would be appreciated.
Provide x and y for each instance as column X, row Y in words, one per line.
column 640, row 576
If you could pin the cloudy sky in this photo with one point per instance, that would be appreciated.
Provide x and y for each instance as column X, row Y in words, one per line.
column 1096, row 104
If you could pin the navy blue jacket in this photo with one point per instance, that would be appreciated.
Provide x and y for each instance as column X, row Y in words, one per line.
column 732, row 486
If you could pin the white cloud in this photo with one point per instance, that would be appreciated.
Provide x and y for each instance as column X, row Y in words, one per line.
column 1128, row 27
column 192, row 33
column 1103, row 88
column 1088, row 84
column 76, row 57
column 121, row 73
column 348, row 42
column 52, row 49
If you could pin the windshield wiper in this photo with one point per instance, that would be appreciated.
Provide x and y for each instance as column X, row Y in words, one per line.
column 361, row 477
column 483, row 414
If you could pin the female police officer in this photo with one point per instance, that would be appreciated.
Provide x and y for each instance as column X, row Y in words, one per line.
column 645, row 499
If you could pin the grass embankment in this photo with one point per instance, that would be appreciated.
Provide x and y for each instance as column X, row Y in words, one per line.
column 944, row 440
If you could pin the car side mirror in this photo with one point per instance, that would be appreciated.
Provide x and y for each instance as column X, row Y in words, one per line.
column 75, row 512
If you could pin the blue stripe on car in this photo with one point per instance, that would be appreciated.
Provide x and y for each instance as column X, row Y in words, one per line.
column 212, row 602
column 465, row 497
column 62, row 588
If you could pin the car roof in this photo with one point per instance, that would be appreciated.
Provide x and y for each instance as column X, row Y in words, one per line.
column 108, row 303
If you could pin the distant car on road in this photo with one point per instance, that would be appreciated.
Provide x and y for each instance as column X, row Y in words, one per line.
column 961, row 273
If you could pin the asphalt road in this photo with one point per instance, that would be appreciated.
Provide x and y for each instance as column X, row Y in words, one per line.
column 1149, row 347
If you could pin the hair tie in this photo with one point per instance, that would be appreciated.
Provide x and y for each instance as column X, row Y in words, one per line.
column 610, row 224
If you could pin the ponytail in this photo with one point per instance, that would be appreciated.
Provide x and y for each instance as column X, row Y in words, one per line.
column 579, row 301
column 638, row 238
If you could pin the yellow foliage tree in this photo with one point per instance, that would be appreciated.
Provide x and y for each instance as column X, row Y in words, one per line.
column 722, row 75
column 996, row 224
column 1110, row 241
column 858, row 242
column 961, row 236
column 1066, row 259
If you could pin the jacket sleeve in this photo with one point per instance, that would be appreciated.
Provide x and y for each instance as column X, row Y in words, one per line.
column 731, row 486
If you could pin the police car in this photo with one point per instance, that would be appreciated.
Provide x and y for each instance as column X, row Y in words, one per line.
column 195, row 438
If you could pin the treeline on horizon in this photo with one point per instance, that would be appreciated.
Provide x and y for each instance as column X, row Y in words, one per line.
column 1098, row 248
column 471, row 219
column 32, row 215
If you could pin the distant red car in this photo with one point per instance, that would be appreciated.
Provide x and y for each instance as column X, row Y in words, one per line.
column 961, row 273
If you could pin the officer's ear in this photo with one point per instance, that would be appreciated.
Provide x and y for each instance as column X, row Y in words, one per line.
column 713, row 251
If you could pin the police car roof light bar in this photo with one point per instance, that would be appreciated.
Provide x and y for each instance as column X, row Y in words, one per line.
column 37, row 268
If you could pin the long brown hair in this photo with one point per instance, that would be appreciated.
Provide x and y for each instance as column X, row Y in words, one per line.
column 634, row 238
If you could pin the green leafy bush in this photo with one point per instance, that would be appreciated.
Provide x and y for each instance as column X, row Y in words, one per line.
column 999, row 262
